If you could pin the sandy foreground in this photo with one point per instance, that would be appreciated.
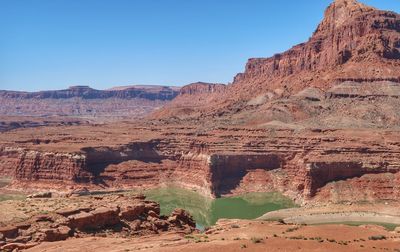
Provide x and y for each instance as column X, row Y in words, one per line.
column 241, row 235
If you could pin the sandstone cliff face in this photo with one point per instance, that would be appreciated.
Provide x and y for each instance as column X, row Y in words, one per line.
column 353, row 42
column 34, row 165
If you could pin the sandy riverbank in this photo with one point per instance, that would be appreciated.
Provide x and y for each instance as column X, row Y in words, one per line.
column 379, row 213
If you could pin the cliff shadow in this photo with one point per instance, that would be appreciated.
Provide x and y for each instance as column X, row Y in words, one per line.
column 99, row 158
column 228, row 171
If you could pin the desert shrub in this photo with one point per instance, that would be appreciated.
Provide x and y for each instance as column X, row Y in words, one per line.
column 377, row 237
column 256, row 240
column 291, row 229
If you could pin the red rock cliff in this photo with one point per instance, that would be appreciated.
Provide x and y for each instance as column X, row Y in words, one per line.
column 352, row 41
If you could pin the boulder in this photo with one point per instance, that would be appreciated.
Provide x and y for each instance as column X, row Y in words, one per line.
column 17, row 246
column 183, row 217
column 9, row 231
column 135, row 225
column 20, row 239
column 23, row 225
column 105, row 216
column 153, row 214
column 57, row 234
column 161, row 224
column 98, row 218
column 81, row 221
column 79, row 192
column 70, row 211
column 152, row 206
column 132, row 212
column 40, row 195
column 43, row 218
column 139, row 196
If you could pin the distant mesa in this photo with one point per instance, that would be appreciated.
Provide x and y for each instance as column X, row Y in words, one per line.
column 144, row 87
column 134, row 101
column 202, row 88
column 153, row 92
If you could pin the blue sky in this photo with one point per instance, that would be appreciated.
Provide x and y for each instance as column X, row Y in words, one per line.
column 52, row 44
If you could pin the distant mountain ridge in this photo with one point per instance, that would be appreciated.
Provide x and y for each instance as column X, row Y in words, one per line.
column 85, row 92
column 128, row 102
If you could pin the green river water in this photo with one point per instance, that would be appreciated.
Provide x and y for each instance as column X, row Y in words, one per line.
column 8, row 196
column 207, row 211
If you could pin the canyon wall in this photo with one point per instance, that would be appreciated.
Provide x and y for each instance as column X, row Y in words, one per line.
column 35, row 165
column 302, row 167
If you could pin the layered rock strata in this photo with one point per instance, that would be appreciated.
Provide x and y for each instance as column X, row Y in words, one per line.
column 301, row 164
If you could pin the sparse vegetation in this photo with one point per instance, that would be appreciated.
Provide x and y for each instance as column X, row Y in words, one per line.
column 299, row 237
column 377, row 237
column 292, row 229
column 256, row 240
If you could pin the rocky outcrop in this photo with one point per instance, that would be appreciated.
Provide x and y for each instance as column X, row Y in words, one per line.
column 118, row 215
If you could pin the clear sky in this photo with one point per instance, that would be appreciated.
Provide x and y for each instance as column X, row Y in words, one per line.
column 52, row 44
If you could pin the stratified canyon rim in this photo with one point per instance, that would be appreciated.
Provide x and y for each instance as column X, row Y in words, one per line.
column 319, row 123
